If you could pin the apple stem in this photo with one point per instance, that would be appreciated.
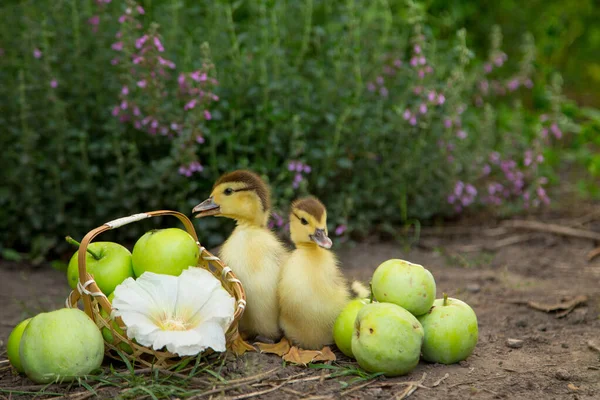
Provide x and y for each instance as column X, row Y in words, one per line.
column 445, row 299
column 371, row 288
column 74, row 242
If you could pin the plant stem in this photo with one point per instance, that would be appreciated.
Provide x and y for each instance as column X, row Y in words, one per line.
column 445, row 299
column 371, row 287
column 74, row 242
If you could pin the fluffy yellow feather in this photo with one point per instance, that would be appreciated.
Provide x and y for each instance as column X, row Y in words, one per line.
column 252, row 251
column 312, row 291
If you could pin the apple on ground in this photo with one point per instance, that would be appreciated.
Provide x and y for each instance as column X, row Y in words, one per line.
column 109, row 264
column 451, row 331
column 14, row 341
column 165, row 251
column 387, row 339
column 61, row 345
column 343, row 327
column 405, row 284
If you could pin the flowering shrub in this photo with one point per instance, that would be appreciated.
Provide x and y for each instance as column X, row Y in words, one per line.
column 114, row 109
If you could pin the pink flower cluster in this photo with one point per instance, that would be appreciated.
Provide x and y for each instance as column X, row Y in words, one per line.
column 462, row 196
column 300, row 169
column 276, row 221
column 190, row 169
column 549, row 126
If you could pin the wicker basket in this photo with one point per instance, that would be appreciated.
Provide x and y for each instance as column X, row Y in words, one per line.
column 94, row 300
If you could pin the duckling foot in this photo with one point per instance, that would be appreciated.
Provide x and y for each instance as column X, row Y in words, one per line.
column 239, row 346
column 281, row 348
column 300, row 356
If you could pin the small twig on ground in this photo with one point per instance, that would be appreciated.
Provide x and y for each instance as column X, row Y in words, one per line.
column 259, row 393
column 552, row 228
column 593, row 346
column 498, row 244
column 256, row 377
column 411, row 388
column 436, row 383
column 593, row 254
column 459, row 230
column 322, row 379
column 4, row 362
column 169, row 374
column 355, row 388
column 27, row 388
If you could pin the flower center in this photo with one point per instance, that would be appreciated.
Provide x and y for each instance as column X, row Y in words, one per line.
column 173, row 324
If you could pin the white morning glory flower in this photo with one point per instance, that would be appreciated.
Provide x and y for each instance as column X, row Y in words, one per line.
column 186, row 313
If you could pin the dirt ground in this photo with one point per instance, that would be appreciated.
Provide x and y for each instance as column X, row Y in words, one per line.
column 555, row 360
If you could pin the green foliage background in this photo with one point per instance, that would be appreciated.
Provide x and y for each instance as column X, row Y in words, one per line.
column 293, row 86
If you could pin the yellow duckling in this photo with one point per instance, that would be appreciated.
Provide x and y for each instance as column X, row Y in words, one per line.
column 252, row 251
column 312, row 291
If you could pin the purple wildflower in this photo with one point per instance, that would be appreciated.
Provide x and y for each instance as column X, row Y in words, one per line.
column 191, row 104
column 37, row 53
column 140, row 41
column 340, row 229
column 53, row 83
column 158, row 44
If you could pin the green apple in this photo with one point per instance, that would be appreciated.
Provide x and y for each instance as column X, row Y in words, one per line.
column 61, row 345
column 451, row 331
column 107, row 333
column 387, row 339
column 14, row 341
column 405, row 284
column 109, row 263
column 165, row 251
column 344, row 325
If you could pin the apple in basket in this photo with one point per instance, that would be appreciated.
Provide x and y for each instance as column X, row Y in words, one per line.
column 165, row 251
column 108, row 262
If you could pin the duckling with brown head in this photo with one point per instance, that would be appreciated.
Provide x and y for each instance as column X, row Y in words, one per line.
column 252, row 251
column 312, row 291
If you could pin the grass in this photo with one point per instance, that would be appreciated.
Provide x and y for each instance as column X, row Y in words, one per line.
column 199, row 378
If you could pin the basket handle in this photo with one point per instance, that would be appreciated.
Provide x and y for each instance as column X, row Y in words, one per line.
column 85, row 278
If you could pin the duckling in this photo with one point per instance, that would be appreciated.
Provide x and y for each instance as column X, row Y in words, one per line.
column 252, row 251
column 312, row 291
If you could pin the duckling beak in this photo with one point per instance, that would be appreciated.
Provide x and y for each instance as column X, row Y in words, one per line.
column 206, row 208
column 321, row 239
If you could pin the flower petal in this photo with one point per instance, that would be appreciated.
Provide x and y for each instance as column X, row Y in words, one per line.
column 219, row 308
column 183, row 343
column 150, row 294
column 196, row 286
column 139, row 326
column 213, row 335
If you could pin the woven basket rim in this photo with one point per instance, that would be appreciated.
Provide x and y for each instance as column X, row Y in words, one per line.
column 94, row 301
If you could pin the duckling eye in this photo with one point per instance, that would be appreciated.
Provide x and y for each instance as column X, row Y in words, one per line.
column 303, row 221
column 228, row 192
